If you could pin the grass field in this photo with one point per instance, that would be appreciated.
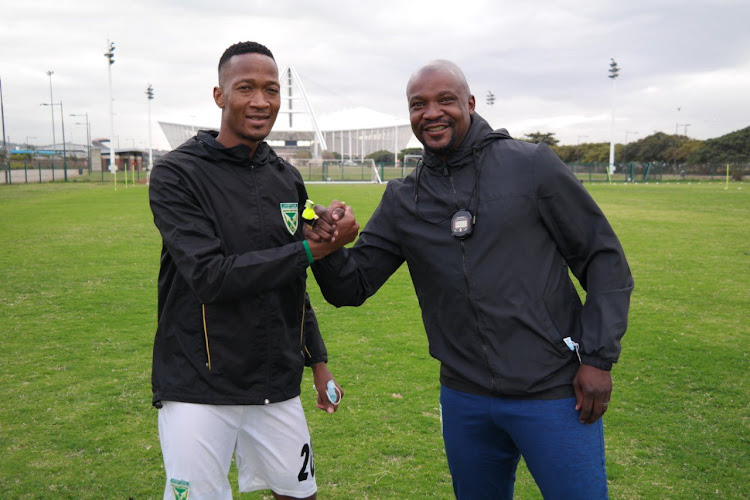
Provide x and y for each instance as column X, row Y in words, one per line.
column 78, row 311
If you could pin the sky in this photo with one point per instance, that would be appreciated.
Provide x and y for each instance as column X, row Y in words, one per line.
column 684, row 65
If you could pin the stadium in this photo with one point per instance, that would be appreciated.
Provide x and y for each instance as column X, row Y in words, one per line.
column 332, row 147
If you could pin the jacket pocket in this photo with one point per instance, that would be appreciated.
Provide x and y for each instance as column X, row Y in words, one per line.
column 548, row 329
column 563, row 313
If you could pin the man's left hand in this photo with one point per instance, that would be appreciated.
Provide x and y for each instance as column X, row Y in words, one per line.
column 321, row 376
column 593, row 389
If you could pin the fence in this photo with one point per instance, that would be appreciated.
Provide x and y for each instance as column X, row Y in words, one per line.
column 38, row 171
column 659, row 172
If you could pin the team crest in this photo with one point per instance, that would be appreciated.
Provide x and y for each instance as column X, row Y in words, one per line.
column 181, row 489
column 290, row 214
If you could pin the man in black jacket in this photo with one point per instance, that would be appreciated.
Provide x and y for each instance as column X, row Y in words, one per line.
column 235, row 325
column 489, row 227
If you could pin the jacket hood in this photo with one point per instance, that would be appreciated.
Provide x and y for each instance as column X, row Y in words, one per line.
column 480, row 133
column 205, row 146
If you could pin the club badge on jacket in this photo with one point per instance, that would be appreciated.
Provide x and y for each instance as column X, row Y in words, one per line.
column 290, row 215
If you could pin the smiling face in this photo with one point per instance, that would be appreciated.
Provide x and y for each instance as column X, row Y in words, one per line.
column 440, row 107
column 248, row 95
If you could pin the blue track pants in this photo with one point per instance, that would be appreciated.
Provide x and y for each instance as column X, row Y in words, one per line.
column 485, row 438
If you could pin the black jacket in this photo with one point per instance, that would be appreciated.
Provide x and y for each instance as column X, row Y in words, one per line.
column 498, row 305
column 232, row 281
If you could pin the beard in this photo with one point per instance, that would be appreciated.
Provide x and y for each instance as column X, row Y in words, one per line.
column 446, row 149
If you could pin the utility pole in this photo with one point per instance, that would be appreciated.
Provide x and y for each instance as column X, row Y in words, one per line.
column 613, row 74
column 110, row 55
column 88, row 138
column 5, row 145
column 62, row 121
column 149, row 98
column 52, row 110
column 65, row 151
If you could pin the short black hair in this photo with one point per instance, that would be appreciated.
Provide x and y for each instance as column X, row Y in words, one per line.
column 243, row 48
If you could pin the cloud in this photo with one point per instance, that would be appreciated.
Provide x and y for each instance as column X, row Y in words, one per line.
column 545, row 62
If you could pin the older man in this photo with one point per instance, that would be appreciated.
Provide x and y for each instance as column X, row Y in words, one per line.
column 489, row 227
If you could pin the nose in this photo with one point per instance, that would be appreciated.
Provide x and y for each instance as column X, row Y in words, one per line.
column 258, row 100
column 432, row 111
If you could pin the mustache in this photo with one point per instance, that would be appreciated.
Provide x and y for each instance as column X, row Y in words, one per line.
column 447, row 121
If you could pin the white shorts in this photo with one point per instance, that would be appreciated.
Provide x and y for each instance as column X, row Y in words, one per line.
column 271, row 445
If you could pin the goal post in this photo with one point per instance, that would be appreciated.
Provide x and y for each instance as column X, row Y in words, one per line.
column 316, row 171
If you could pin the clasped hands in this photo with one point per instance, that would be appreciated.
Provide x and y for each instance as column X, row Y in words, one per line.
column 334, row 228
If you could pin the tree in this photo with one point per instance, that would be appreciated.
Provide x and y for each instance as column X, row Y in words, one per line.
column 730, row 148
column 537, row 137
column 382, row 156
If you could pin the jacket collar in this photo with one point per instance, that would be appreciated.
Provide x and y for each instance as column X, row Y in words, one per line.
column 237, row 154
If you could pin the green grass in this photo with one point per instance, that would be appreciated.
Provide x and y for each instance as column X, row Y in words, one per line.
column 77, row 314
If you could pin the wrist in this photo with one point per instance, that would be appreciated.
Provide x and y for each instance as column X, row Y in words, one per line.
column 320, row 369
column 318, row 250
column 308, row 251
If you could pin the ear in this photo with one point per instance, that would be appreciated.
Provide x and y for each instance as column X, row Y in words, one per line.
column 472, row 103
column 219, row 97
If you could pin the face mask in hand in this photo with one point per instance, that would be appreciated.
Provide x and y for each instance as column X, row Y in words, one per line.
column 333, row 393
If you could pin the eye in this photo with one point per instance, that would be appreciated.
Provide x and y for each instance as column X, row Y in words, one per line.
column 273, row 91
column 416, row 105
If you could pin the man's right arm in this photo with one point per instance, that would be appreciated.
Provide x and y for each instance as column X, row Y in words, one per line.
column 349, row 276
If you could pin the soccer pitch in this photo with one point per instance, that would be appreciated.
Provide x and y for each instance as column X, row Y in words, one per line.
column 78, row 310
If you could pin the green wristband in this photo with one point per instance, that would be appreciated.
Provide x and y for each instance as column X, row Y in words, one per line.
column 310, row 259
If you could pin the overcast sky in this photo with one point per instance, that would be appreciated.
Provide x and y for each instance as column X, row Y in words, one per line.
column 546, row 61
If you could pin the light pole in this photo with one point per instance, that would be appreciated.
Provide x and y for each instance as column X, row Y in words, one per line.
column 628, row 132
column 88, row 138
column 62, row 122
column 613, row 74
column 52, row 110
column 149, row 98
column 110, row 55
column 28, row 144
column 8, row 178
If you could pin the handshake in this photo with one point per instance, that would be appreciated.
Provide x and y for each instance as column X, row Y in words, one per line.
column 330, row 229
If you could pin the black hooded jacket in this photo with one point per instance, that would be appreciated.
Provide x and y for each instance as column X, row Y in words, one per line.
column 501, row 313
column 235, row 324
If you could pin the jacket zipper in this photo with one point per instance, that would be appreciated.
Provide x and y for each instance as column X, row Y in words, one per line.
column 205, row 335
column 468, row 292
column 302, row 326
column 262, row 229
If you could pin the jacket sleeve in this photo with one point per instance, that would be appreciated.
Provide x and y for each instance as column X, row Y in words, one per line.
column 591, row 249
column 191, row 240
column 315, row 348
column 350, row 276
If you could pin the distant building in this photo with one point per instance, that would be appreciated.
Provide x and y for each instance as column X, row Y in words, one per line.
column 125, row 158
column 351, row 133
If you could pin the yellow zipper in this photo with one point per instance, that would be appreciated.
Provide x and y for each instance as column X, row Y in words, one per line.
column 205, row 335
column 302, row 327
